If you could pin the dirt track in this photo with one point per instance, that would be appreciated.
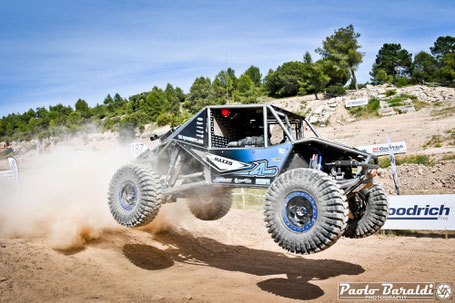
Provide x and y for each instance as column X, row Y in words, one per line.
column 230, row 260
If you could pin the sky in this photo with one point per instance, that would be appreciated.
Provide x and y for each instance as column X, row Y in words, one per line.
column 56, row 51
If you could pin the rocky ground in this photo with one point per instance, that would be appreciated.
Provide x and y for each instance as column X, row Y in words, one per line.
column 420, row 179
column 322, row 111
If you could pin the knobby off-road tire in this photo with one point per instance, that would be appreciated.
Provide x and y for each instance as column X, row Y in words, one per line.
column 305, row 211
column 374, row 213
column 211, row 204
column 134, row 195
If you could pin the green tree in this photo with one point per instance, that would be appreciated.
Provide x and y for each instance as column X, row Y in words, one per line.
column 99, row 111
column 446, row 73
column 246, row 85
column 394, row 60
column 343, row 48
column 155, row 103
column 32, row 124
column 307, row 57
column 82, row 107
column 444, row 52
column 109, row 102
column 254, row 74
column 201, row 94
column 286, row 80
column 382, row 77
column 270, row 83
column 443, row 46
column 180, row 94
column 172, row 100
column 118, row 101
column 225, row 84
column 316, row 80
column 423, row 67
column 74, row 120
column 336, row 70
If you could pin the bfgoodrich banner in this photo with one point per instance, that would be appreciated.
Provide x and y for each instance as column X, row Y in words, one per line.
column 383, row 149
column 424, row 212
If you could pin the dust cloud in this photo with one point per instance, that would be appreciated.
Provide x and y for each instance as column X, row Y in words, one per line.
column 62, row 196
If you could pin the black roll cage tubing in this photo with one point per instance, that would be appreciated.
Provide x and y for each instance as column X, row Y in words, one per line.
column 277, row 113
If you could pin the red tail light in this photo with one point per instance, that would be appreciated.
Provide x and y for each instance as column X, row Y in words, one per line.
column 225, row 112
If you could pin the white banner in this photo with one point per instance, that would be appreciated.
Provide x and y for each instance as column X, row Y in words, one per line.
column 357, row 102
column 383, row 149
column 421, row 212
column 6, row 173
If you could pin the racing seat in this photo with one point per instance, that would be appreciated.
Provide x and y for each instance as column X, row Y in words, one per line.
column 257, row 141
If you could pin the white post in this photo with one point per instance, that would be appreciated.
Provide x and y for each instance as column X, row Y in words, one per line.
column 242, row 191
column 392, row 164
column 52, row 144
column 13, row 172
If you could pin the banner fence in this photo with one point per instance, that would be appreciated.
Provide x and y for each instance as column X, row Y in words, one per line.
column 412, row 212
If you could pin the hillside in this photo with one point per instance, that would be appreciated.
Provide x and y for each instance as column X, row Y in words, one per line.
column 427, row 125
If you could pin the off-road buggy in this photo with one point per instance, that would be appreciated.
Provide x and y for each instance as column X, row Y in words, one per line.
column 318, row 190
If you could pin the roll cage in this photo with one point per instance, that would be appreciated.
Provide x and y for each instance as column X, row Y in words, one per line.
column 241, row 136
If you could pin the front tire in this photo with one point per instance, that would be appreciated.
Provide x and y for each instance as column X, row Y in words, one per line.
column 305, row 211
column 134, row 195
column 369, row 208
column 211, row 203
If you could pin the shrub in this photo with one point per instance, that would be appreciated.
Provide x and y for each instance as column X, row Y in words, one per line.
column 6, row 153
column 373, row 105
column 391, row 92
column 396, row 101
column 410, row 159
column 248, row 100
column 163, row 119
column 369, row 110
column 111, row 123
column 335, row 91
column 402, row 82
column 449, row 157
column 435, row 139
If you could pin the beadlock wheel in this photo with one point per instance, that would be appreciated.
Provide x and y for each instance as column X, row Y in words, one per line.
column 134, row 195
column 299, row 212
column 305, row 211
column 370, row 209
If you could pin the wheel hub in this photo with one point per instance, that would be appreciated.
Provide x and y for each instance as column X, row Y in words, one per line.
column 299, row 211
column 357, row 205
column 128, row 195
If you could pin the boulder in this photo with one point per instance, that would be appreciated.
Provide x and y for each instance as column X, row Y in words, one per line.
column 389, row 111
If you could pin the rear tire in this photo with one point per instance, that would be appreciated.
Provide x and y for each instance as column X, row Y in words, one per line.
column 305, row 211
column 211, row 204
column 134, row 195
column 371, row 218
